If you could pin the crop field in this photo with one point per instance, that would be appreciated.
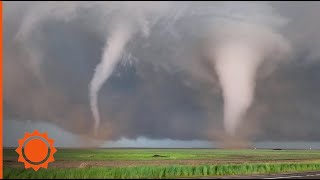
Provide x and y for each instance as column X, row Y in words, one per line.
column 164, row 163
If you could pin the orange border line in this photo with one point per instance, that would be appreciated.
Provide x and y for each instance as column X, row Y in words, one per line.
column 1, row 116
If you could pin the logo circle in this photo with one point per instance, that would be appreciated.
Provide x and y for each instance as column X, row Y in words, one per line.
column 36, row 150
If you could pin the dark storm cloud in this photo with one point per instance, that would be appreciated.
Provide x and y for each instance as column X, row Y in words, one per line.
column 159, row 95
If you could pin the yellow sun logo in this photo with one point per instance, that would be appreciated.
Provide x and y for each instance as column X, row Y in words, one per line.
column 36, row 150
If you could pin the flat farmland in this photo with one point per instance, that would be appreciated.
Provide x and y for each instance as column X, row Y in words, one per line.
column 164, row 163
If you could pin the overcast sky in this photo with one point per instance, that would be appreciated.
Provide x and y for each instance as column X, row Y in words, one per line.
column 161, row 93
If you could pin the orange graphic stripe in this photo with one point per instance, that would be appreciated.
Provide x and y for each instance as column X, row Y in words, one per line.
column 1, row 121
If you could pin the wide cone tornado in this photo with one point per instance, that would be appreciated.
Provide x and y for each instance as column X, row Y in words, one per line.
column 236, row 64
column 237, row 52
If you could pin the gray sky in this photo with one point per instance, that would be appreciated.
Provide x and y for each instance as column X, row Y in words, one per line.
column 161, row 89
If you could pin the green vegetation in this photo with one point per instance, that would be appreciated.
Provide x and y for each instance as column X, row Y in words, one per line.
column 178, row 154
column 168, row 163
column 161, row 172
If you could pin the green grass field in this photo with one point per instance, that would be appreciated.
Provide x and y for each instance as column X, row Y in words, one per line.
column 172, row 163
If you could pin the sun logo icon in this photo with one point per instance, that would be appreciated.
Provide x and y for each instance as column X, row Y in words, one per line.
column 36, row 150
